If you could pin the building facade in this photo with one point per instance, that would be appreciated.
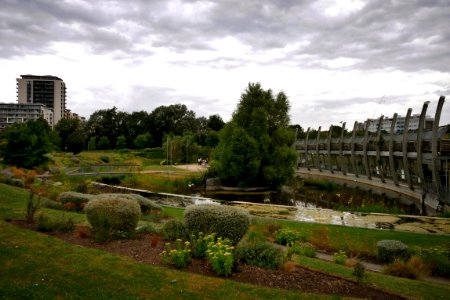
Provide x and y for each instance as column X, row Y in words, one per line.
column 13, row 113
column 48, row 90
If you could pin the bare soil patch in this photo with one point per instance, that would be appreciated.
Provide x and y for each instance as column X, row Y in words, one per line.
column 144, row 249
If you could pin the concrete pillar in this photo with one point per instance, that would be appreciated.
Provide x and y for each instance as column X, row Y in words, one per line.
column 419, row 141
column 341, row 151
column 330, row 132
column 317, row 149
column 352, row 158
column 434, row 145
column 306, row 148
column 405, row 149
column 378, row 146
column 391, row 150
column 365, row 159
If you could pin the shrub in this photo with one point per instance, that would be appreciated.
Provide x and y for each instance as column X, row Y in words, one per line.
column 287, row 236
column 302, row 248
column 112, row 216
column 74, row 200
column 401, row 269
column 47, row 203
column 174, row 229
column 261, row 254
column 147, row 228
column 179, row 256
column 437, row 259
column 359, row 271
column 200, row 244
column 220, row 256
column 112, row 180
column 105, row 159
column 81, row 187
column 145, row 204
column 340, row 257
column 226, row 221
column 320, row 237
column 61, row 224
column 389, row 250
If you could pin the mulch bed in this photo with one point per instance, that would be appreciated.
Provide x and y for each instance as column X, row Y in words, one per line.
column 297, row 278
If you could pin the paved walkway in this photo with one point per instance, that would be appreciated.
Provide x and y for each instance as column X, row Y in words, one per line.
column 379, row 268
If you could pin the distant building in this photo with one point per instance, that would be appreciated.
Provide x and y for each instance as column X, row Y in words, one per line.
column 12, row 113
column 399, row 125
column 48, row 90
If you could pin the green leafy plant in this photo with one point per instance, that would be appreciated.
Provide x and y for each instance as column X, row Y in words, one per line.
column 226, row 221
column 200, row 244
column 437, row 259
column 180, row 256
column 302, row 248
column 359, row 271
column 389, row 250
column 287, row 236
column 340, row 257
column 220, row 256
column 174, row 229
column 260, row 253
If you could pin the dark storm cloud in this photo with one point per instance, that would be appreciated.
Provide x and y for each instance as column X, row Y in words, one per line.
column 405, row 35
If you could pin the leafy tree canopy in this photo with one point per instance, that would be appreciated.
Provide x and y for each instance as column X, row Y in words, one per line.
column 255, row 146
column 26, row 145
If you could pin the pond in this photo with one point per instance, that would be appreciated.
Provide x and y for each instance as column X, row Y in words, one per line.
column 327, row 195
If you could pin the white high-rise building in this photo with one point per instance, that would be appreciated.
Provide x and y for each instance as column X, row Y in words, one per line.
column 48, row 90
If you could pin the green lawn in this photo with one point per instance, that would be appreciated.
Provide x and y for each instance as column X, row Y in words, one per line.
column 37, row 266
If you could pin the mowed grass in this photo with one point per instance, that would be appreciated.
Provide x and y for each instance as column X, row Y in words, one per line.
column 38, row 266
column 419, row 289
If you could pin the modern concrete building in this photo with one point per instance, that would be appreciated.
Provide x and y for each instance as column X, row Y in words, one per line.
column 399, row 124
column 48, row 90
column 12, row 113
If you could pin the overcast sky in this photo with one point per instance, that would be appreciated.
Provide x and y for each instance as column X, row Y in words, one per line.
column 342, row 60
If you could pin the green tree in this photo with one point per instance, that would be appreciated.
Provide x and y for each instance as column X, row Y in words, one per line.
column 64, row 128
column 121, row 142
column 75, row 142
column 143, row 141
column 255, row 147
column 26, row 145
column 215, row 122
column 103, row 143
column 91, row 144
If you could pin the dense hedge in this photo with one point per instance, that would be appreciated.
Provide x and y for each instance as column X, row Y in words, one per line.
column 261, row 254
column 145, row 204
column 112, row 215
column 389, row 250
column 74, row 200
column 226, row 221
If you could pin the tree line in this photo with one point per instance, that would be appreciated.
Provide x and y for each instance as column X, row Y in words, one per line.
column 254, row 148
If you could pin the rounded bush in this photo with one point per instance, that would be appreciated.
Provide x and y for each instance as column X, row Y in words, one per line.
column 145, row 204
column 74, row 200
column 174, row 229
column 261, row 254
column 226, row 221
column 389, row 250
column 109, row 216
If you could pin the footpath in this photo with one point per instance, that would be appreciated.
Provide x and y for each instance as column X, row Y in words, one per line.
column 379, row 268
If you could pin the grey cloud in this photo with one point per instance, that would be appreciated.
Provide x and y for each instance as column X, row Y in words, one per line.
column 406, row 35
